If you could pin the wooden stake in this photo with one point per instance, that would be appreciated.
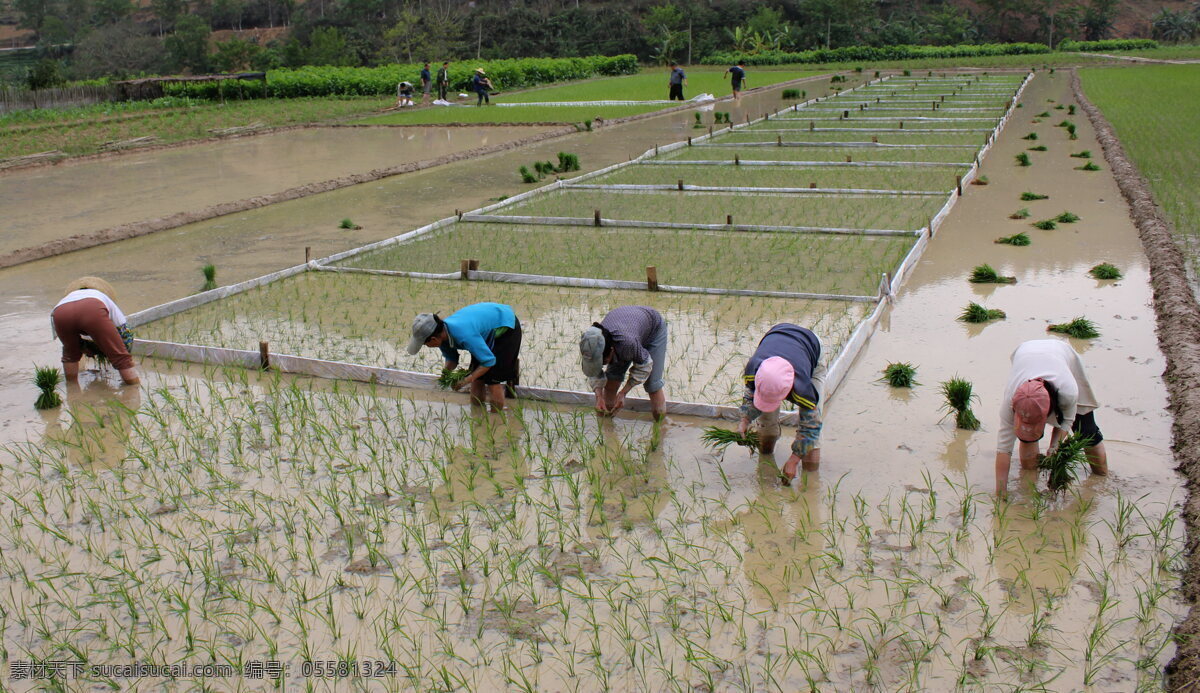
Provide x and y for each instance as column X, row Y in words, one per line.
column 811, row 126
column 848, row 160
column 874, row 139
column 652, row 279
column 812, row 185
column 902, row 125
column 737, row 160
column 779, row 140
column 710, row 131
column 681, row 184
column 596, row 218
column 464, row 269
column 845, row 114
column 264, row 356
column 458, row 213
column 473, row 265
column 689, row 141
column 307, row 254
column 729, row 219
column 958, row 184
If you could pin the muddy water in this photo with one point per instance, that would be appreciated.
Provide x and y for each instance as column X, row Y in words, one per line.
column 47, row 203
column 152, row 269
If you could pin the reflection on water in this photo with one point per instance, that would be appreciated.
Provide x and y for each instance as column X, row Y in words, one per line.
column 92, row 428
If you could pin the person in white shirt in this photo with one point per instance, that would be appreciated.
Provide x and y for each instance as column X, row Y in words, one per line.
column 87, row 320
column 1047, row 384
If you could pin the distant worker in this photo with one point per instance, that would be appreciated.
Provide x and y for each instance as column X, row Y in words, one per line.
column 676, row 82
column 404, row 92
column 443, row 80
column 786, row 366
column 482, row 85
column 426, row 84
column 737, row 76
column 88, row 321
column 489, row 332
column 629, row 338
column 1046, row 379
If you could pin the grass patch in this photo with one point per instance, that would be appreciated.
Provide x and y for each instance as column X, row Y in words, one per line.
column 1019, row 239
column 975, row 313
column 1022, row 213
column 1089, row 166
column 1079, row 328
column 1045, row 225
column 1031, row 196
column 958, row 394
column 1105, row 270
column 1067, row 218
column 986, row 274
column 900, row 374
column 1024, row 160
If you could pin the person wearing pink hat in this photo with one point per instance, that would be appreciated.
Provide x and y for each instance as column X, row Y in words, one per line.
column 786, row 367
column 1047, row 384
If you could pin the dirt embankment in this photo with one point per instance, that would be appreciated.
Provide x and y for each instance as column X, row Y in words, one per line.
column 141, row 228
column 1179, row 339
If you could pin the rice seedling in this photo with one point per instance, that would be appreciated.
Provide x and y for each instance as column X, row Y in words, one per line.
column 449, row 379
column 1045, row 225
column 958, row 394
column 1085, row 154
column 1071, row 109
column 1059, row 107
column 1079, row 328
column 1071, row 132
column 699, row 124
column 1019, row 239
column 1043, row 114
column 975, row 313
column 1031, row 136
column 1064, row 462
column 1105, row 270
column 210, row 277
column 720, row 438
column 790, row 94
column 1022, row 213
column 1067, row 218
column 1039, row 148
column 1089, row 166
column 47, row 378
column 1031, row 196
column 900, row 374
column 348, row 224
column 567, row 162
column 1064, row 124
column 1023, row 159
column 986, row 274
column 526, row 175
column 543, row 168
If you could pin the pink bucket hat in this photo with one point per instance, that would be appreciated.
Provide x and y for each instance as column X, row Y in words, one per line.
column 773, row 383
column 1031, row 407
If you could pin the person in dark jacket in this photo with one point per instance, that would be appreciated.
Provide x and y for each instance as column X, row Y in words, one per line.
column 676, row 82
column 786, row 366
column 482, row 85
column 629, row 339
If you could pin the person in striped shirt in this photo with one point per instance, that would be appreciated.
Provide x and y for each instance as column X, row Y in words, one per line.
column 786, row 366
column 633, row 340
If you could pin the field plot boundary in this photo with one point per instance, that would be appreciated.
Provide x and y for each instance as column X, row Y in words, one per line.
column 889, row 285
column 603, row 222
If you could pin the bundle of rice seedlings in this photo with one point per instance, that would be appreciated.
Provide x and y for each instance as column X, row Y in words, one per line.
column 526, row 175
column 1089, row 166
column 1031, row 136
column 1015, row 239
column 986, row 274
column 1045, row 225
column 976, row 313
column 1085, row 154
column 1079, row 328
column 1043, row 114
column 568, row 162
column 720, row 438
column 1039, row 148
column 1065, row 124
column 1064, row 461
column 1023, row 159
column 1059, row 107
column 46, row 378
column 791, row 94
column 1067, row 218
column 958, row 394
column 543, row 168
column 1071, row 132
column 1071, row 109
column 448, row 379
column 1105, row 270
column 1022, row 213
column 210, row 277
column 900, row 374
column 699, row 122
column 1030, row 196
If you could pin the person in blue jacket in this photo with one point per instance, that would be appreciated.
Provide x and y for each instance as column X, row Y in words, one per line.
column 482, row 85
column 489, row 332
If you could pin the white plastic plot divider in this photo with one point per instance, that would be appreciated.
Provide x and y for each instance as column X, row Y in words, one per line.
column 835, row 145
column 909, row 131
column 592, row 283
column 637, row 224
column 735, row 189
column 857, row 116
column 395, row 377
column 807, row 164
column 845, row 359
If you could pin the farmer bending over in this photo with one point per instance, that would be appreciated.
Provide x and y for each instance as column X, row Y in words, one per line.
column 490, row 332
column 629, row 338
column 404, row 92
column 88, row 321
column 1046, row 379
column 786, row 366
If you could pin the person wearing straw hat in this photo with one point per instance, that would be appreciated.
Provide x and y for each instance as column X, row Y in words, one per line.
column 1047, row 378
column 87, row 320
column 490, row 332
column 482, row 85
column 629, row 339
column 786, row 367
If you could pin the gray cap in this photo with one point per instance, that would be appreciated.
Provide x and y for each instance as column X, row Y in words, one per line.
column 423, row 327
column 591, row 351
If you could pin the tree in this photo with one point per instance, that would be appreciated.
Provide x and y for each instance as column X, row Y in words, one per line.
column 950, row 26
column 1098, row 19
column 236, row 55
column 188, row 45
column 33, row 13
column 166, row 12
column 45, row 73
column 118, row 50
column 327, row 46
column 110, row 11
column 227, row 14
column 1174, row 26
column 664, row 24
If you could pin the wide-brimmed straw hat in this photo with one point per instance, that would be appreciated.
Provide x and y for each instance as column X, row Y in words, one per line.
column 95, row 283
column 480, row 70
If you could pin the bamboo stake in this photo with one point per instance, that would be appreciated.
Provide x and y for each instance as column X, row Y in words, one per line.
column 264, row 356
column 652, row 279
column 596, row 217
column 307, row 254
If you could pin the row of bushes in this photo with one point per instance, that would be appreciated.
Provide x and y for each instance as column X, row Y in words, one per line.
column 373, row 81
column 876, row 53
column 1108, row 45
